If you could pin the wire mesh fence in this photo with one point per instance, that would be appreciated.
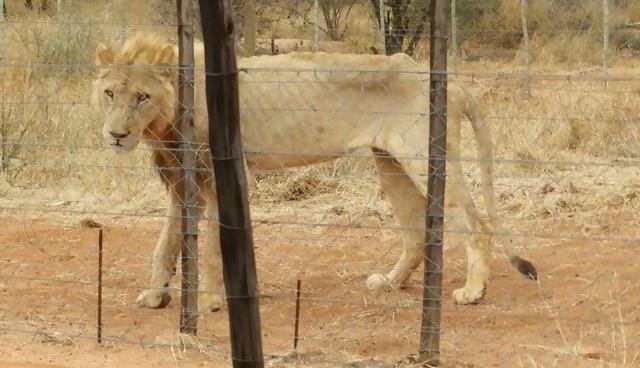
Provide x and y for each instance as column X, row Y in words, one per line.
column 559, row 97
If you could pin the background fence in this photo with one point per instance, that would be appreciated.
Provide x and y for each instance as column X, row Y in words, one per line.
column 560, row 94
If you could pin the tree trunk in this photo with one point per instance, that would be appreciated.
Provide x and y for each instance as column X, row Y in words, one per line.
column 422, row 22
column 398, row 22
column 249, row 28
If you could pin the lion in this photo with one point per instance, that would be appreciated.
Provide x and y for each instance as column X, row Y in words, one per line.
column 300, row 109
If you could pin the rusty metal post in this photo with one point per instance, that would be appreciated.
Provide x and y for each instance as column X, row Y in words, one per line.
column 236, row 238
column 99, row 324
column 432, row 284
column 188, row 187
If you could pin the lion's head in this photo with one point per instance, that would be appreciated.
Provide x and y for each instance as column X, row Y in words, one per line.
column 135, row 91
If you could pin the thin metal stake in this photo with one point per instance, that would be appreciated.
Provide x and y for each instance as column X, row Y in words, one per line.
column 295, row 336
column 100, row 286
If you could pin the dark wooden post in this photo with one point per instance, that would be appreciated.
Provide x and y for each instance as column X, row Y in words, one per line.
column 188, row 187
column 236, row 239
column 432, row 292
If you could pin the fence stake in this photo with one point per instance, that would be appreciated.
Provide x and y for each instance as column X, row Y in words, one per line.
column 525, row 37
column 605, row 46
column 295, row 333
column 316, row 26
column 383, row 49
column 432, row 284
column 188, row 190
column 236, row 239
column 99, row 324
column 454, row 38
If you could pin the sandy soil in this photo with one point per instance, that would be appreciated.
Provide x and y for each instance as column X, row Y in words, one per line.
column 582, row 313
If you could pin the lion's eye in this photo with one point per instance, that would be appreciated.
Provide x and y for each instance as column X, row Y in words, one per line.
column 142, row 97
column 109, row 93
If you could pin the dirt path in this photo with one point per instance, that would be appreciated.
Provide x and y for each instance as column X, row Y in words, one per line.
column 576, row 315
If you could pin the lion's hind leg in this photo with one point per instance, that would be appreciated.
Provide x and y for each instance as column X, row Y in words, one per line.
column 409, row 208
column 477, row 242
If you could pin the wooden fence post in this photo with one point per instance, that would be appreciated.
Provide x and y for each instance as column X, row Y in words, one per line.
column 188, row 190
column 432, row 284
column 236, row 239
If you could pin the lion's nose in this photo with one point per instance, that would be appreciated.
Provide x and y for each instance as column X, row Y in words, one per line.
column 119, row 135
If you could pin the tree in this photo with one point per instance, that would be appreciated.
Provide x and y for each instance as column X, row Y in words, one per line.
column 335, row 12
column 405, row 21
column 43, row 5
column 249, row 28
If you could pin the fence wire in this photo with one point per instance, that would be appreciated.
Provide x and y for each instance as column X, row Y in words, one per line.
column 562, row 115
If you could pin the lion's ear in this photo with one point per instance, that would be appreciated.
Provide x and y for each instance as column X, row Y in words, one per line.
column 104, row 55
column 165, row 55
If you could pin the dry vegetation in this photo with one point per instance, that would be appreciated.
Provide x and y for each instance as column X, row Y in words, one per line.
column 53, row 153
column 570, row 146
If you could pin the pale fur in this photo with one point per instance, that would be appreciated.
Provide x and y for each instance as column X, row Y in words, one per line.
column 299, row 109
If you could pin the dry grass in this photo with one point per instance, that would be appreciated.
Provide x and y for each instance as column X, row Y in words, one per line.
column 562, row 121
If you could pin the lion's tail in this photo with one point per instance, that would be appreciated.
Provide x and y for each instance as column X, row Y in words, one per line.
column 485, row 156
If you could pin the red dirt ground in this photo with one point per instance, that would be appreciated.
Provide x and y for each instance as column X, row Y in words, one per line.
column 583, row 313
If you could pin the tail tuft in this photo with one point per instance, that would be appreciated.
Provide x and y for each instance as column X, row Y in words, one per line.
column 524, row 267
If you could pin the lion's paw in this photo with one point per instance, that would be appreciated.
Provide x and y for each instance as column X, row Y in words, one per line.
column 464, row 296
column 210, row 302
column 153, row 299
column 378, row 281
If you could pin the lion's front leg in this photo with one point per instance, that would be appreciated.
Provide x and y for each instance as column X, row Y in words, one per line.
column 212, row 283
column 164, row 260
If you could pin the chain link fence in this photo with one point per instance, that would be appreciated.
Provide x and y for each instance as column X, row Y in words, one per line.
column 555, row 81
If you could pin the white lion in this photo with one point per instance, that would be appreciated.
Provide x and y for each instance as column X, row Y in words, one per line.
column 299, row 109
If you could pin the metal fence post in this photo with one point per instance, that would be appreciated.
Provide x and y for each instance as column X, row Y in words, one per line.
column 316, row 26
column 454, row 37
column 236, row 238
column 605, row 45
column 189, row 228
column 383, row 49
column 2, row 8
column 525, row 36
column 432, row 284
